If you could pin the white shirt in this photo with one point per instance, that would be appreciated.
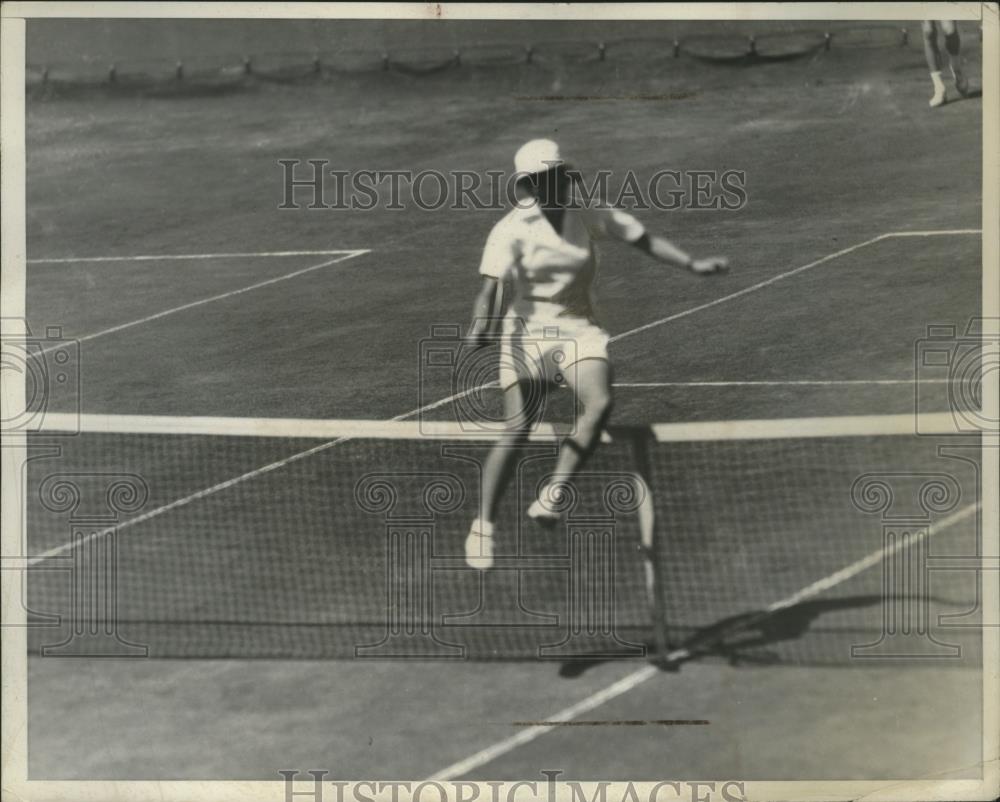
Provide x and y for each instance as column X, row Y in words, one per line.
column 552, row 272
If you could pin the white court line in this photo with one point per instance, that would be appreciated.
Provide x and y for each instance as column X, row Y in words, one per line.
column 344, row 256
column 528, row 734
column 264, row 254
column 873, row 559
column 176, row 257
column 790, row 383
column 630, row 681
column 947, row 232
column 788, row 273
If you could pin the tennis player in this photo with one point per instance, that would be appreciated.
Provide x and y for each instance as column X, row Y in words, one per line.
column 953, row 45
column 545, row 248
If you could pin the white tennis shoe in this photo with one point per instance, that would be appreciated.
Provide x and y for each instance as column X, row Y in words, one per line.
column 940, row 92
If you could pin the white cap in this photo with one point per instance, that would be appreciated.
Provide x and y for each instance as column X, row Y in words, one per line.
column 537, row 156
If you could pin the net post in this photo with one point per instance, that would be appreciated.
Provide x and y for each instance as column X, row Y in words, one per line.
column 179, row 71
column 827, row 40
column 247, row 65
column 677, row 48
column 112, row 73
column 649, row 544
column 904, row 37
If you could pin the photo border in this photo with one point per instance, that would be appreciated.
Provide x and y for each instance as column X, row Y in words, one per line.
column 12, row 140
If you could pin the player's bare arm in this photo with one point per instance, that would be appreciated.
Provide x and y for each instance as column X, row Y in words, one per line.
column 485, row 313
column 664, row 250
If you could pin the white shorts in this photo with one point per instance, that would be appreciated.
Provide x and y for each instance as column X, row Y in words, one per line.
column 547, row 351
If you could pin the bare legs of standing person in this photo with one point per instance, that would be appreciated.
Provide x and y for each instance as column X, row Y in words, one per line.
column 953, row 46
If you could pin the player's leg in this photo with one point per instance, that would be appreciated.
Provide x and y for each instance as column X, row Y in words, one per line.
column 953, row 44
column 522, row 406
column 590, row 380
column 929, row 29
column 933, row 55
column 520, row 415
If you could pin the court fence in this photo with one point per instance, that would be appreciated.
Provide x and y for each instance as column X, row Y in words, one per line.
column 236, row 70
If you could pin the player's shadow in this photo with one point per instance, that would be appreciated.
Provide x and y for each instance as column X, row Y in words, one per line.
column 743, row 639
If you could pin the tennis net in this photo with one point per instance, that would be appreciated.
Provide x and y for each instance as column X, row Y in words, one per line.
column 776, row 541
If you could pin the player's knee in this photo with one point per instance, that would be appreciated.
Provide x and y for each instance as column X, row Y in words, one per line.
column 948, row 27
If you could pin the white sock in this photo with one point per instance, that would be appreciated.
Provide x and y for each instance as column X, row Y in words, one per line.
column 484, row 528
column 938, row 82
